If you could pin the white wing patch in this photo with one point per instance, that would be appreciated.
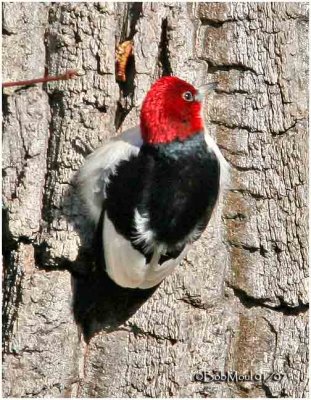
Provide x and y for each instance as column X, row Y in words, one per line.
column 127, row 267
column 99, row 166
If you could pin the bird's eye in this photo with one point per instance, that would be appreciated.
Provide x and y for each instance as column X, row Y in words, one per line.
column 187, row 96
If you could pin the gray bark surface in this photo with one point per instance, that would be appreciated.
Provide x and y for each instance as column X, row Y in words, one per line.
column 239, row 301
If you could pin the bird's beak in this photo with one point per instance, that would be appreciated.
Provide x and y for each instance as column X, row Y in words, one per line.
column 199, row 96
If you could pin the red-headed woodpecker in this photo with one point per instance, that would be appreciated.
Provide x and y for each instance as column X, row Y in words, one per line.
column 155, row 186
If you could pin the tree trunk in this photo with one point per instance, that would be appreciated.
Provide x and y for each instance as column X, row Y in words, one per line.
column 239, row 300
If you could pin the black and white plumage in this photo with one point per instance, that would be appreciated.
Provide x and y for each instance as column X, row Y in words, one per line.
column 155, row 200
column 146, row 234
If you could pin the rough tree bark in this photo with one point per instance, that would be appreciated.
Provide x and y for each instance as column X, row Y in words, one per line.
column 239, row 300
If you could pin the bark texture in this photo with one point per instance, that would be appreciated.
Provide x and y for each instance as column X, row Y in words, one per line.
column 239, row 300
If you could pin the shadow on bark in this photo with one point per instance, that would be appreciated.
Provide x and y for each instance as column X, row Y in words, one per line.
column 11, row 282
column 98, row 303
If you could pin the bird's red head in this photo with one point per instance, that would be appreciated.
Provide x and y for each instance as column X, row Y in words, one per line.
column 171, row 110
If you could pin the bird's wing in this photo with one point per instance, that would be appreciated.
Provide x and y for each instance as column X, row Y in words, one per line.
column 124, row 264
column 99, row 166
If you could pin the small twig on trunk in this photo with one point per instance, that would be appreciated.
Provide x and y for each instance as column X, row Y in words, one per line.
column 71, row 73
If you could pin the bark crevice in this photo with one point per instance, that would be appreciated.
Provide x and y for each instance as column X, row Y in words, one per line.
column 283, row 308
column 164, row 53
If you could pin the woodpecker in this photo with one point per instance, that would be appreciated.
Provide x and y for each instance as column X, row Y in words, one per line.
column 155, row 186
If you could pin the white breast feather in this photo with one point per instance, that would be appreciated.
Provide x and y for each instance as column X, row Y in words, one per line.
column 224, row 166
